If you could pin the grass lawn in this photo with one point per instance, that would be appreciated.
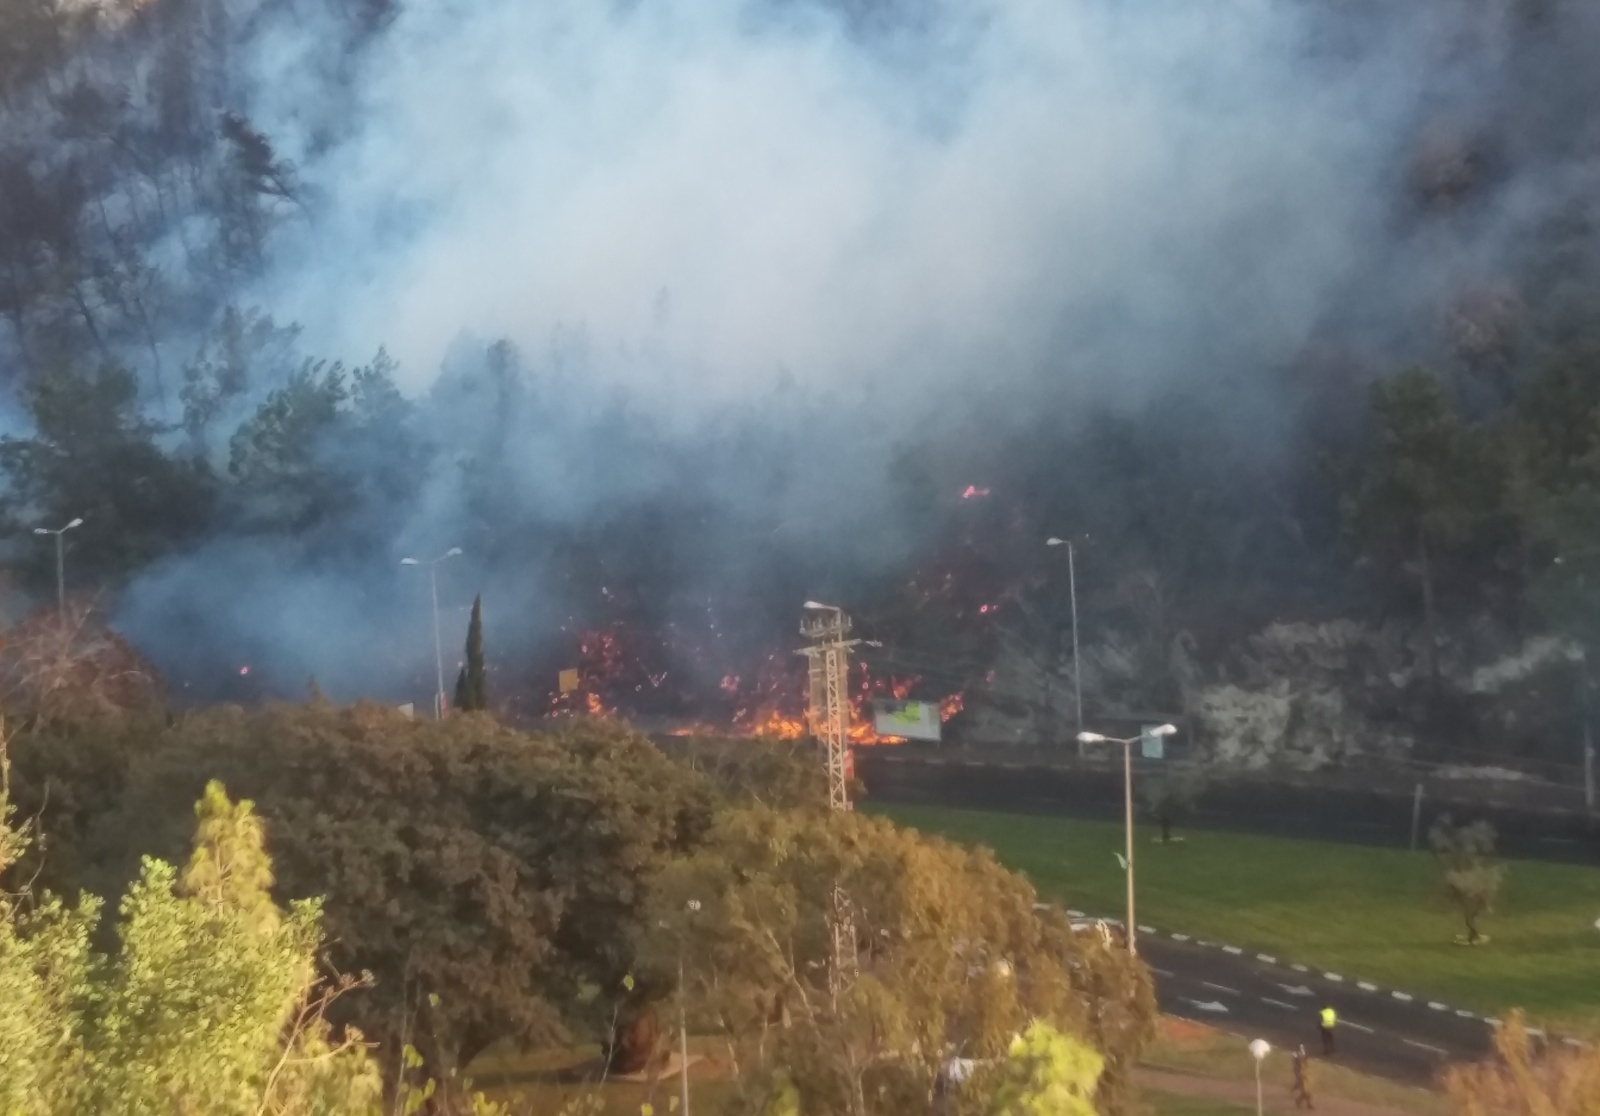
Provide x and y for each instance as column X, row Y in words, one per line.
column 1372, row 914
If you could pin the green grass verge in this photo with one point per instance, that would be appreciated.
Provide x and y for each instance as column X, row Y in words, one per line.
column 1369, row 913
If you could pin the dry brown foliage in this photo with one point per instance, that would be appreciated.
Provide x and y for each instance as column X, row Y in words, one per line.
column 55, row 667
column 1522, row 1080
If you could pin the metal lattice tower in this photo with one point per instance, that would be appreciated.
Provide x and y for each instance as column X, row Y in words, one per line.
column 828, row 659
column 829, row 712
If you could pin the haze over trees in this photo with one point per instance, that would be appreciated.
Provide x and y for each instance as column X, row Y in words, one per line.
column 1425, row 461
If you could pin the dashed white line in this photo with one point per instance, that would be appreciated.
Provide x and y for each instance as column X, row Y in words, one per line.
column 1465, row 1014
column 1180, row 937
column 1424, row 1046
column 1333, row 977
column 1355, row 1026
column 1278, row 1003
column 1365, row 986
column 1572, row 1042
column 1436, row 1006
column 1491, row 1020
column 1537, row 1031
column 1076, row 914
column 1300, row 968
column 1146, row 929
column 1235, row 950
column 1222, row 988
column 1403, row 997
column 1159, row 972
column 1268, row 958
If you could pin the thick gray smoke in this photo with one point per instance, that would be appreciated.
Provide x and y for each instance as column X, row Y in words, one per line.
column 682, row 206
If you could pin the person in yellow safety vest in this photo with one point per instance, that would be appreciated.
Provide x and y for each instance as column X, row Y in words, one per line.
column 1329, row 1020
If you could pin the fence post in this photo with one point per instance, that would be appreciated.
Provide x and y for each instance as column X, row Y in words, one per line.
column 1416, row 816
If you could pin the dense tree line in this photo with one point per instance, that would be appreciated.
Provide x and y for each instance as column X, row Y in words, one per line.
column 481, row 885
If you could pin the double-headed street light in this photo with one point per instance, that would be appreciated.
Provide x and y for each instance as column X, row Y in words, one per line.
column 1127, row 799
column 438, row 646
column 61, row 561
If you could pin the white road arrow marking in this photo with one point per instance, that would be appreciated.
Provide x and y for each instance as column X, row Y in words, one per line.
column 1278, row 1003
column 1295, row 989
column 1221, row 988
column 1208, row 1005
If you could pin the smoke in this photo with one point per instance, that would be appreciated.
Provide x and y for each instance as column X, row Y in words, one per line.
column 721, row 193
column 751, row 250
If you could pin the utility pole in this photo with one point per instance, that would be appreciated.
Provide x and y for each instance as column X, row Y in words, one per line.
column 828, row 660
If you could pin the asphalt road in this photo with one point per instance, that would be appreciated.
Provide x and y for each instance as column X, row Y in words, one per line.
column 1405, row 1039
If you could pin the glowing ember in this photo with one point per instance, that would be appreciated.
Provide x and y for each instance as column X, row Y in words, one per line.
column 950, row 706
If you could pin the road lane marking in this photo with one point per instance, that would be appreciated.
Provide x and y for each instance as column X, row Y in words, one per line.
column 1365, row 986
column 1158, row 972
column 1180, row 937
column 1295, row 989
column 1465, row 1014
column 1333, row 977
column 1222, row 988
column 1076, row 914
column 1269, row 959
column 1355, row 1026
column 1235, row 950
column 1491, row 1020
column 1404, row 997
column 1424, row 1046
column 1300, row 968
column 1436, row 1006
column 1278, row 1003
column 1211, row 1006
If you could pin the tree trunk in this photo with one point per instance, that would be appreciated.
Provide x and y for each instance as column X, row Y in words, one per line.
column 634, row 1041
column 1429, row 623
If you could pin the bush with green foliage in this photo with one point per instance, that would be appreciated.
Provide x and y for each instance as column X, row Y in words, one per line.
column 949, row 959
column 209, row 1004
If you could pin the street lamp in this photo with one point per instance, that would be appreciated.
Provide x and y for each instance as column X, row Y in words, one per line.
column 1127, row 799
column 61, row 562
column 438, row 647
column 1583, row 690
column 1259, row 1049
column 1077, row 676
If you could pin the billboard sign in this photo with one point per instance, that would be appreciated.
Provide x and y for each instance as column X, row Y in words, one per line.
column 912, row 720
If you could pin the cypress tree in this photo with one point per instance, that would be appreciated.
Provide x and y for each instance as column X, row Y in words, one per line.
column 472, row 687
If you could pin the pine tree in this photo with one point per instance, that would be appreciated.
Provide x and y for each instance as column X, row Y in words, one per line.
column 472, row 688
